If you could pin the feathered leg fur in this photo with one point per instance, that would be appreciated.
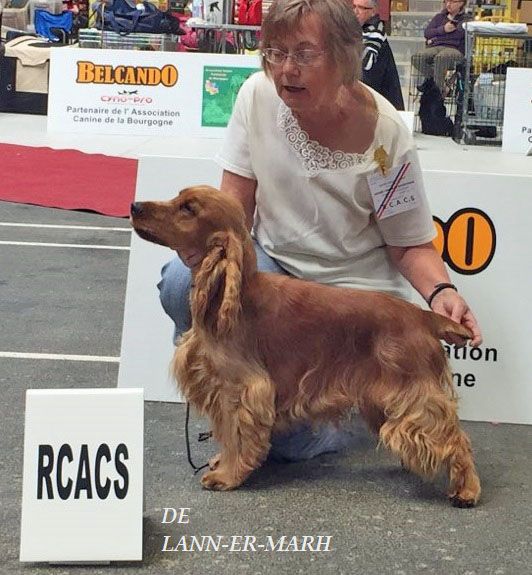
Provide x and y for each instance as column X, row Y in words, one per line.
column 424, row 430
column 243, row 429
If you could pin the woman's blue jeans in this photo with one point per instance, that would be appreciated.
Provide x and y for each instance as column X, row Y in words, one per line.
column 300, row 443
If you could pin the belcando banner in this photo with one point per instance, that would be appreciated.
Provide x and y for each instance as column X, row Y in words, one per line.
column 144, row 93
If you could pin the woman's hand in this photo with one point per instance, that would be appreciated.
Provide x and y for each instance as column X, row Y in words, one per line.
column 451, row 304
column 449, row 27
column 423, row 267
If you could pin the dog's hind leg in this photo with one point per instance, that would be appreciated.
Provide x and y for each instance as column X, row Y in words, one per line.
column 244, row 430
column 464, row 481
column 422, row 427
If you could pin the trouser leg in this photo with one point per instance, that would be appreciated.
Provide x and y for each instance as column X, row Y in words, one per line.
column 445, row 60
column 424, row 61
column 174, row 292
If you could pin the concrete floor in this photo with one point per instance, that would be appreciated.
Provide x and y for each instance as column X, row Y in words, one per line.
column 380, row 519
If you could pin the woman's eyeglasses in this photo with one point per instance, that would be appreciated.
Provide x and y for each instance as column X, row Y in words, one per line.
column 301, row 57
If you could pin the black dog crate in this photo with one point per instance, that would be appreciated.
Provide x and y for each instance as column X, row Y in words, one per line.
column 13, row 98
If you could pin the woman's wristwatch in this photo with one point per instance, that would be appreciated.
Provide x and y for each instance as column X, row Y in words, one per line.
column 437, row 289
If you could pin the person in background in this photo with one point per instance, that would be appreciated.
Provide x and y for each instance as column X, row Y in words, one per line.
column 378, row 65
column 445, row 47
column 306, row 152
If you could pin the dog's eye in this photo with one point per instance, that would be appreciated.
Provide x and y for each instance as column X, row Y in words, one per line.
column 187, row 208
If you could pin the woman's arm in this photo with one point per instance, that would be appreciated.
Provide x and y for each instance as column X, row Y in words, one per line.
column 457, row 35
column 435, row 27
column 244, row 190
column 423, row 267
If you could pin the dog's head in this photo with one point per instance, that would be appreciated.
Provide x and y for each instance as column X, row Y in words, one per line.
column 207, row 229
column 189, row 223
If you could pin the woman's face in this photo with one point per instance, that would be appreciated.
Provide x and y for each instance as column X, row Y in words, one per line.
column 454, row 6
column 306, row 88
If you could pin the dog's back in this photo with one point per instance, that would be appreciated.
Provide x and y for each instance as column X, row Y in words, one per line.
column 277, row 303
column 308, row 333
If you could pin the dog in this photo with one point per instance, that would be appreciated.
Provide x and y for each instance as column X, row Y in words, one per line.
column 432, row 111
column 266, row 351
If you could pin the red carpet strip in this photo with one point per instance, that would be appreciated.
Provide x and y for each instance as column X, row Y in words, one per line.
column 67, row 179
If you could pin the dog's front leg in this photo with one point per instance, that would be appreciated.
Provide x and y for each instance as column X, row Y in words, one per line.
column 244, row 431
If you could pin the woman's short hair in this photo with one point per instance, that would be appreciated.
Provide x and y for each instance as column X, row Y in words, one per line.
column 343, row 34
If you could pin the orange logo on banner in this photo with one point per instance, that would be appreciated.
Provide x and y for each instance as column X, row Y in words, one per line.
column 466, row 241
column 439, row 240
column 91, row 73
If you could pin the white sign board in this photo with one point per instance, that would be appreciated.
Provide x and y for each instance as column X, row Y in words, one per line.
column 517, row 127
column 135, row 92
column 147, row 334
column 82, row 498
column 408, row 119
column 484, row 241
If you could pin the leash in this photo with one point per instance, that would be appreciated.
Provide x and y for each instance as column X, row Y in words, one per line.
column 201, row 437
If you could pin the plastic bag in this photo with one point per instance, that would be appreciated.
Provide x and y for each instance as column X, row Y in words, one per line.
column 126, row 17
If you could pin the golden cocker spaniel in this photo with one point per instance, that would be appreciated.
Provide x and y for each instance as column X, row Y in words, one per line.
column 266, row 351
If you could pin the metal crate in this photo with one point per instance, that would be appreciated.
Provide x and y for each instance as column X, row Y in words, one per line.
column 94, row 38
column 450, row 100
column 487, row 58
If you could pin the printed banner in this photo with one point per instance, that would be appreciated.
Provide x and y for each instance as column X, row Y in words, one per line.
column 220, row 88
column 144, row 93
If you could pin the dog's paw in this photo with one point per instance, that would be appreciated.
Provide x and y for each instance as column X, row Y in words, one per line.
column 214, row 461
column 216, row 481
column 462, row 503
column 465, row 498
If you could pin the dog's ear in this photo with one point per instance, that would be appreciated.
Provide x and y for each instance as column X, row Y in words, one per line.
column 215, row 300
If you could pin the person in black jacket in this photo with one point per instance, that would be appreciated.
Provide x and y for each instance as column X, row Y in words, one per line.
column 378, row 64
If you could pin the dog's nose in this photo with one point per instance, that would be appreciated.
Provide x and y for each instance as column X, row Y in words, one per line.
column 136, row 208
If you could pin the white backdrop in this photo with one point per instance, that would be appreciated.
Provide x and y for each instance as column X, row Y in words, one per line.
column 494, row 383
column 517, row 132
column 147, row 345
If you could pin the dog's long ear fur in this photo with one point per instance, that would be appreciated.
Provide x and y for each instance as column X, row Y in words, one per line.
column 215, row 300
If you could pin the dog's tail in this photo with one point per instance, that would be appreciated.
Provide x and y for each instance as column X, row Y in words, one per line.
column 444, row 328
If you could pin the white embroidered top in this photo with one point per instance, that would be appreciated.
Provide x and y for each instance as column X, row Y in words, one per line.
column 314, row 210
